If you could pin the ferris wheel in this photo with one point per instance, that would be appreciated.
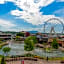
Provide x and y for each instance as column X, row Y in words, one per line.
column 54, row 25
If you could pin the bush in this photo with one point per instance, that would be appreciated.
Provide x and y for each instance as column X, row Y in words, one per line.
column 48, row 50
column 17, row 38
column 28, row 55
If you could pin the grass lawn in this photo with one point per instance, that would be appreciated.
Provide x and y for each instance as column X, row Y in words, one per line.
column 2, row 44
column 57, row 58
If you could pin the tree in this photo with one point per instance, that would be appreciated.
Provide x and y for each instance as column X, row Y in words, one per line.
column 29, row 43
column 55, row 44
column 32, row 38
column 6, row 50
column 20, row 34
column 3, row 61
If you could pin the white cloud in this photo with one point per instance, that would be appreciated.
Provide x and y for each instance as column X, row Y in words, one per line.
column 2, row 1
column 6, row 24
column 31, row 11
column 35, row 19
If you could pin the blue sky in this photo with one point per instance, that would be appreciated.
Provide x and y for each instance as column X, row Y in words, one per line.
column 18, row 16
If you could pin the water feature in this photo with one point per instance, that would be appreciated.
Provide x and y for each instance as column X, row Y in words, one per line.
column 18, row 49
column 41, row 52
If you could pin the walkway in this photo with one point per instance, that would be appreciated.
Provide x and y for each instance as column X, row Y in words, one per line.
column 34, row 62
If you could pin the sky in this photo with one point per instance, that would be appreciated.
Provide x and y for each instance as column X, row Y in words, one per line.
column 29, row 15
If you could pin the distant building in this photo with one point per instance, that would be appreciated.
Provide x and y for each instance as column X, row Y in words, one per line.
column 42, row 38
column 50, row 40
column 26, row 34
column 5, row 36
column 45, row 39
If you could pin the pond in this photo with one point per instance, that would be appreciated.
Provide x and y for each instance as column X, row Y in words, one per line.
column 18, row 49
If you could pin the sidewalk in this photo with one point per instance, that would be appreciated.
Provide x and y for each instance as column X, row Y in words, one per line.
column 35, row 62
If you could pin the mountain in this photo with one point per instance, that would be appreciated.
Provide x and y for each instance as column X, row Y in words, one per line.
column 33, row 32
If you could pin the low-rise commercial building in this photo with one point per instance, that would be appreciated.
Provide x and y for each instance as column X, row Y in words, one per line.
column 4, row 36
